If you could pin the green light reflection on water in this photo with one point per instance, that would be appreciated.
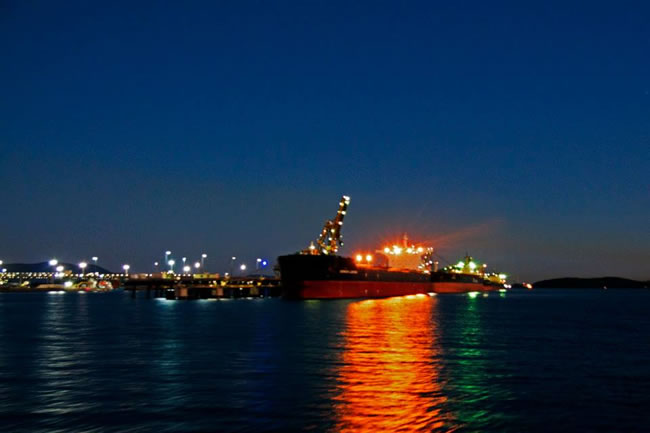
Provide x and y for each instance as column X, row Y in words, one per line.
column 474, row 394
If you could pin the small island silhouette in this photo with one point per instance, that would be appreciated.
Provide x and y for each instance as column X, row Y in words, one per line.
column 591, row 283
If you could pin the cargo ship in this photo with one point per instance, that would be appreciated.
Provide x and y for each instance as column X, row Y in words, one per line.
column 318, row 272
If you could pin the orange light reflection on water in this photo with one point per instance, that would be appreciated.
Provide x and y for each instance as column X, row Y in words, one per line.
column 389, row 378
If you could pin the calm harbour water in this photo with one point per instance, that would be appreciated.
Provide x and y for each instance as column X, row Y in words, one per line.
column 518, row 362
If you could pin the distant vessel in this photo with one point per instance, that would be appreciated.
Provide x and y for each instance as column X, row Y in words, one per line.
column 92, row 285
column 319, row 273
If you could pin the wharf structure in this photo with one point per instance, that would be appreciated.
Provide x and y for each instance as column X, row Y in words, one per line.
column 202, row 286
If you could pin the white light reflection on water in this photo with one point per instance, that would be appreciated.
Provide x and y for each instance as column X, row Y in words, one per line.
column 62, row 366
column 166, row 355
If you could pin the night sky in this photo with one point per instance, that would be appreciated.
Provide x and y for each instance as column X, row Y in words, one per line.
column 518, row 133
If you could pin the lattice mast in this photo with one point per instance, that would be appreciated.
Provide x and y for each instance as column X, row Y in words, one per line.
column 330, row 238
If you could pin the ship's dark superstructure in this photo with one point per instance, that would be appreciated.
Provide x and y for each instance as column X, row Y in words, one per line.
column 318, row 273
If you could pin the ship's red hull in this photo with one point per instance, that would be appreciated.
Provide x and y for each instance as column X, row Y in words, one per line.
column 324, row 289
column 454, row 287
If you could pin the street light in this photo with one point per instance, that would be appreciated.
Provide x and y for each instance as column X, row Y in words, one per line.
column 257, row 264
column 126, row 269
column 53, row 262
column 203, row 257
column 171, row 264
column 197, row 265
column 83, row 265
column 95, row 258
column 232, row 265
column 186, row 269
column 167, row 254
column 243, row 268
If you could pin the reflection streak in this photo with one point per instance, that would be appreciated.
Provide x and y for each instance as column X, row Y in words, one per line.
column 389, row 378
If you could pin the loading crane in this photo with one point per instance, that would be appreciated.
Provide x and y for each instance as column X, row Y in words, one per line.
column 330, row 238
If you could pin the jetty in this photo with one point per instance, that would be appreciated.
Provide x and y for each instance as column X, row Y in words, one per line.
column 202, row 286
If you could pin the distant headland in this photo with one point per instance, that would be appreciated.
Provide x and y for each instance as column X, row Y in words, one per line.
column 591, row 283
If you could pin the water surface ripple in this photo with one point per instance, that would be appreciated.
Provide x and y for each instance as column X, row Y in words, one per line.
column 523, row 361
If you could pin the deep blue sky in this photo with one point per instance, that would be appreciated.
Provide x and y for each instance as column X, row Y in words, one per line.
column 519, row 133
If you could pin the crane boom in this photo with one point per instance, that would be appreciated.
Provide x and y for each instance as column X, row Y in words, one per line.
column 330, row 238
